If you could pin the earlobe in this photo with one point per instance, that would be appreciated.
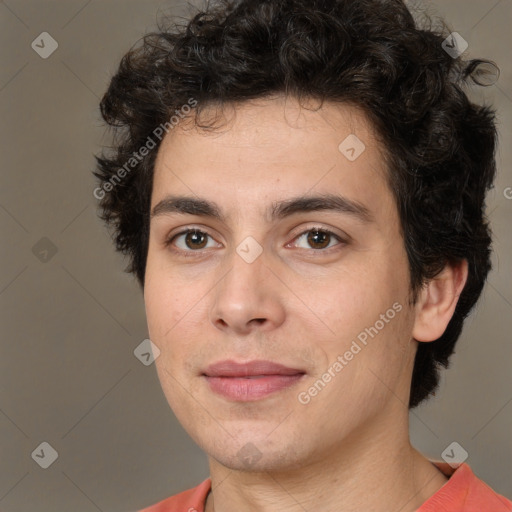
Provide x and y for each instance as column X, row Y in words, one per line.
column 437, row 301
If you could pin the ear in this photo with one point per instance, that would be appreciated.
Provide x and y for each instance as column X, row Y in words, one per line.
column 437, row 300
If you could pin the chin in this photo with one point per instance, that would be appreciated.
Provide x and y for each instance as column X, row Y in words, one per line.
column 256, row 456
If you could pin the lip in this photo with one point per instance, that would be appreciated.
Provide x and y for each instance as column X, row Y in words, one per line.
column 230, row 368
column 250, row 381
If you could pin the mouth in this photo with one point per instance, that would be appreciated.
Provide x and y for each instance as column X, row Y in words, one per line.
column 254, row 380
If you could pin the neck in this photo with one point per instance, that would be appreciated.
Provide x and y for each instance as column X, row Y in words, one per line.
column 368, row 471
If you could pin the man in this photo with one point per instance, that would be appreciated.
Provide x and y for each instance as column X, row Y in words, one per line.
column 300, row 186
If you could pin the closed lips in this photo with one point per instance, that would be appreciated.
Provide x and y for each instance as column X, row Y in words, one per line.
column 251, row 369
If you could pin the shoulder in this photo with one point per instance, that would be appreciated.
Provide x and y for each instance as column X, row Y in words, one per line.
column 464, row 492
column 191, row 500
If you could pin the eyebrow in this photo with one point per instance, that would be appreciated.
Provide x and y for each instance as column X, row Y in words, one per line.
column 279, row 210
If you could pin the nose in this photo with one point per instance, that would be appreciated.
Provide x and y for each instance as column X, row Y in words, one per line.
column 248, row 297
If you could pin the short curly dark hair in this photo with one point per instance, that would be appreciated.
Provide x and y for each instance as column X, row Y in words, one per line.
column 439, row 146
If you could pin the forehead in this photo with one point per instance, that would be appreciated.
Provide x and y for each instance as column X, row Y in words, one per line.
column 272, row 148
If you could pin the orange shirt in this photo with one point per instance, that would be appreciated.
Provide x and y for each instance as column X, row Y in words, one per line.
column 463, row 492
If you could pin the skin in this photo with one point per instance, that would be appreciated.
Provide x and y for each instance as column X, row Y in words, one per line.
column 296, row 304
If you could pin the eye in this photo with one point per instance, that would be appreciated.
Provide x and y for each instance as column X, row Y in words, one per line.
column 190, row 240
column 194, row 240
column 318, row 238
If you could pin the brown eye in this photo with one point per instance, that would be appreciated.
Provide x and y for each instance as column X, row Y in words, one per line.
column 196, row 239
column 191, row 240
column 318, row 239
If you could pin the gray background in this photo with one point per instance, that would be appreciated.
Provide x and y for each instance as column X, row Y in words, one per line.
column 68, row 375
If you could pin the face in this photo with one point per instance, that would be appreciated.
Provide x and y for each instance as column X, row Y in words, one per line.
column 266, row 273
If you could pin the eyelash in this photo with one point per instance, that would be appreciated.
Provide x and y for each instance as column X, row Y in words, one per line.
column 192, row 253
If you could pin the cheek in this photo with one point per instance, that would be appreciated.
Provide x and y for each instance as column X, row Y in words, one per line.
column 168, row 316
column 354, row 298
column 175, row 317
column 366, row 312
column 162, row 308
column 167, row 297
